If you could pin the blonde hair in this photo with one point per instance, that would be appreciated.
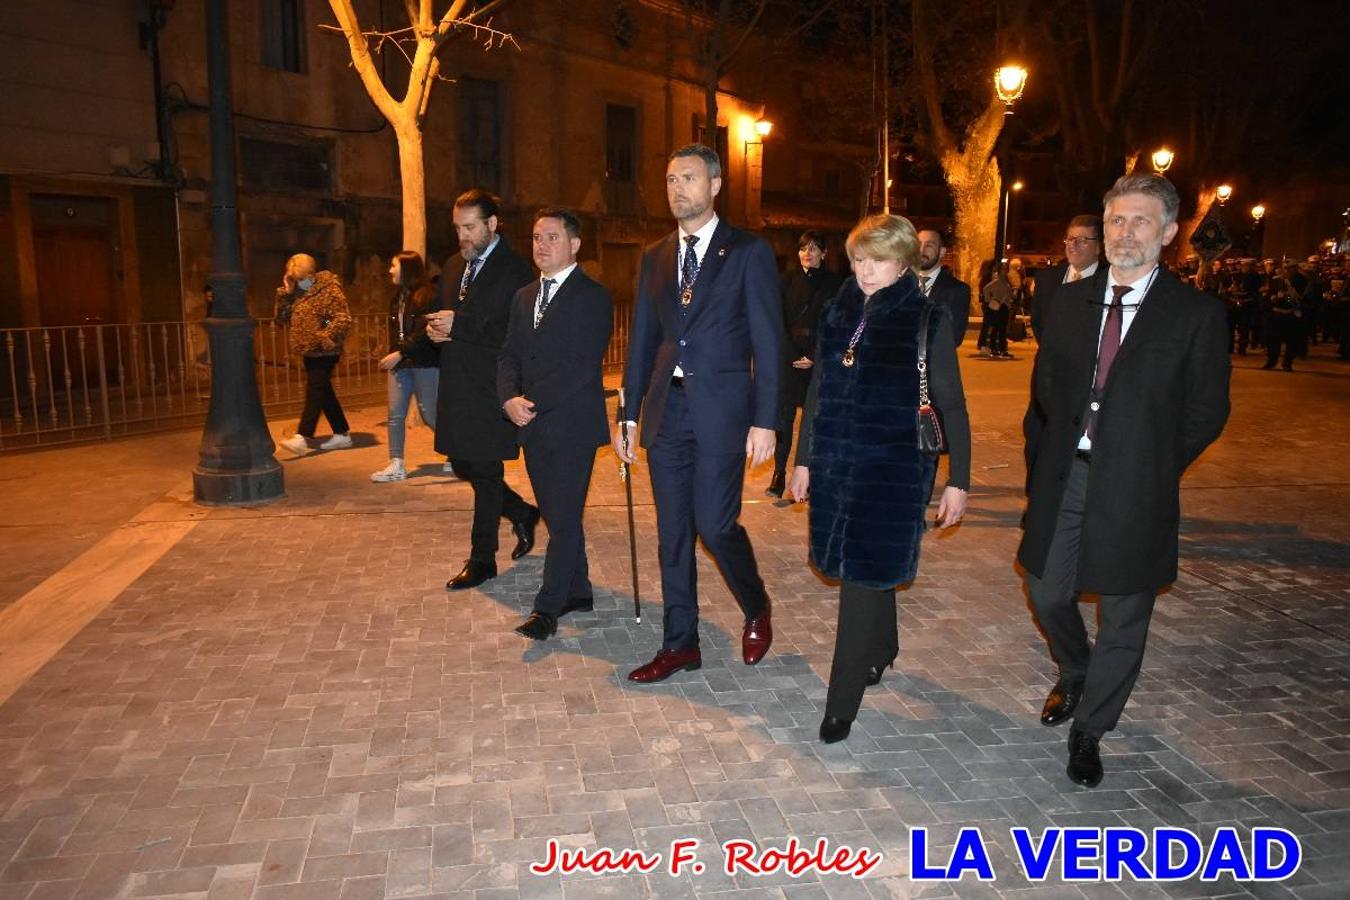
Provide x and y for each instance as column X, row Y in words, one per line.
column 883, row 236
column 301, row 265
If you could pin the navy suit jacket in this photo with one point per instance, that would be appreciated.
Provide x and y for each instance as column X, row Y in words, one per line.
column 730, row 342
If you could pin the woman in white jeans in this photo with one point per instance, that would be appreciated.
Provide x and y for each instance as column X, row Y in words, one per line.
column 413, row 362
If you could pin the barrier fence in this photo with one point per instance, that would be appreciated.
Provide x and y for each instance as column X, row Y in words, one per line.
column 68, row 384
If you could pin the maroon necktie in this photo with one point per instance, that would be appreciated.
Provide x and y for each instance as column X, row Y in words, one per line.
column 1106, row 353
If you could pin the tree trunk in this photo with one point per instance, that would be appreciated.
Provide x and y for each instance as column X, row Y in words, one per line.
column 975, row 184
column 412, row 174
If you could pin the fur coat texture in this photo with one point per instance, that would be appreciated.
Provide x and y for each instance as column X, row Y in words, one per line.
column 870, row 485
column 318, row 318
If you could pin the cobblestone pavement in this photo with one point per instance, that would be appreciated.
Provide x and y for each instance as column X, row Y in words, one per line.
column 287, row 704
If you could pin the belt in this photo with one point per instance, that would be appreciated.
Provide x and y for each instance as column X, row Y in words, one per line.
column 677, row 381
column 1084, row 455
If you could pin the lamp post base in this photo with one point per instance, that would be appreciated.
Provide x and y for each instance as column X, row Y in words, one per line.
column 257, row 485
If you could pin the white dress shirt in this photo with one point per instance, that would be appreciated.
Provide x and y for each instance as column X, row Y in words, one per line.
column 1129, row 309
column 704, row 235
column 1086, row 272
column 558, row 278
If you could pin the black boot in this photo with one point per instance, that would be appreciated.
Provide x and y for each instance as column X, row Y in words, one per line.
column 776, row 486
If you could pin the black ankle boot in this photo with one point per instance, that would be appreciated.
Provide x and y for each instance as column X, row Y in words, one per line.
column 776, row 486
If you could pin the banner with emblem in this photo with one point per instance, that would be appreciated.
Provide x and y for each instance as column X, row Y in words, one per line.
column 1211, row 238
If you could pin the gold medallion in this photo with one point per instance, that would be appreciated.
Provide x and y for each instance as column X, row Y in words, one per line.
column 686, row 296
column 848, row 358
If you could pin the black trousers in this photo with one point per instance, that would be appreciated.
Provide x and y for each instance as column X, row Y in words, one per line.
column 998, row 329
column 698, row 494
column 868, row 635
column 1109, row 670
column 492, row 500
column 320, row 397
column 561, row 476
column 795, row 384
column 1286, row 331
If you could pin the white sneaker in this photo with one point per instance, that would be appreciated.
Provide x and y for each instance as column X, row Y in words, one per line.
column 392, row 472
column 337, row 442
column 296, row 443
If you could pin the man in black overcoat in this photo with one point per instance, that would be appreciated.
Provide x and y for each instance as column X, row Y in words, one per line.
column 473, row 307
column 1132, row 375
column 550, row 384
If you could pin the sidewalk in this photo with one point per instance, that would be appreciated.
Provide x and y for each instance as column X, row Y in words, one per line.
column 283, row 701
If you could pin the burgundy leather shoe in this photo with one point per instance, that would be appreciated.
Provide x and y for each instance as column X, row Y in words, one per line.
column 666, row 664
column 756, row 638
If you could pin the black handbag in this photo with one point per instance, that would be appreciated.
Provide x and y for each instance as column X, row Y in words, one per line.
column 932, row 439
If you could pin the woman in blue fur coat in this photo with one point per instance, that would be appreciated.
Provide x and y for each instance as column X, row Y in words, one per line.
column 858, row 455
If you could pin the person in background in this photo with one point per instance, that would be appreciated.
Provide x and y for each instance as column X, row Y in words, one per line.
column 413, row 362
column 807, row 288
column 313, row 305
column 998, row 299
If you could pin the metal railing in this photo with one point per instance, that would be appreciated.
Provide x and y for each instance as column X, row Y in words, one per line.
column 75, row 383
column 65, row 384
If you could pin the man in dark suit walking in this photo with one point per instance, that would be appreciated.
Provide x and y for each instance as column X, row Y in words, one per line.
column 549, row 382
column 1132, row 374
column 473, row 307
column 704, row 366
column 940, row 285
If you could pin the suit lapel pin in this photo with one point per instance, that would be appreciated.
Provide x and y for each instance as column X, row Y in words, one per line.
column 722, row 252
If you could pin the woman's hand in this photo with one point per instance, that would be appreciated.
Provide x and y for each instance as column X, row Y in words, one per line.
column 799, row 485
column 952, row 508
column 391, row 360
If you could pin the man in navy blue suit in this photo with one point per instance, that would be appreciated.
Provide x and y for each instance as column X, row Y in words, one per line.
column 704, row 362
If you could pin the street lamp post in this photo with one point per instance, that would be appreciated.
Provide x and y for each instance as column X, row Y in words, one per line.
column 1007, row 207
column 235, row 463
column 1224, row 192
column 1009, row 83
column 1258, row 230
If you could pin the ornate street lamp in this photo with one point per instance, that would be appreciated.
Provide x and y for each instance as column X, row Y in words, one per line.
column 1162, row 160
column 1223, row 193
column 763, row 127
column 1258, row 212
column 1010, row 81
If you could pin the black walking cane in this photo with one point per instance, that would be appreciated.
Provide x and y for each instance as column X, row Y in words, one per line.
column 625, row 473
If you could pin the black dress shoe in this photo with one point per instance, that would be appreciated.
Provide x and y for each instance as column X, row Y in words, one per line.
column 776, row 486
column 874, row 674
column 524, row 532
column 473, row 574
column 1061, row 702
column 538, row 627
column 1085, row 759
column 577, row 604
column 833, row 730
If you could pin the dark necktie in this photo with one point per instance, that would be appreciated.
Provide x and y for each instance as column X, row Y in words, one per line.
column 542, row 305
column 469, row 271
column 926, row 283
column 688, row 270
column 1110, row 345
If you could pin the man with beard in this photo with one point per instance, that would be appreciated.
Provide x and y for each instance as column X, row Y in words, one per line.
column 705, row 359
column 473, row 308
column 1132, row 375
column 940, row 284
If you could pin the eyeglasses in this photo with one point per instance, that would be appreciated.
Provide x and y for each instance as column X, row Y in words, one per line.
column 1076, row 242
